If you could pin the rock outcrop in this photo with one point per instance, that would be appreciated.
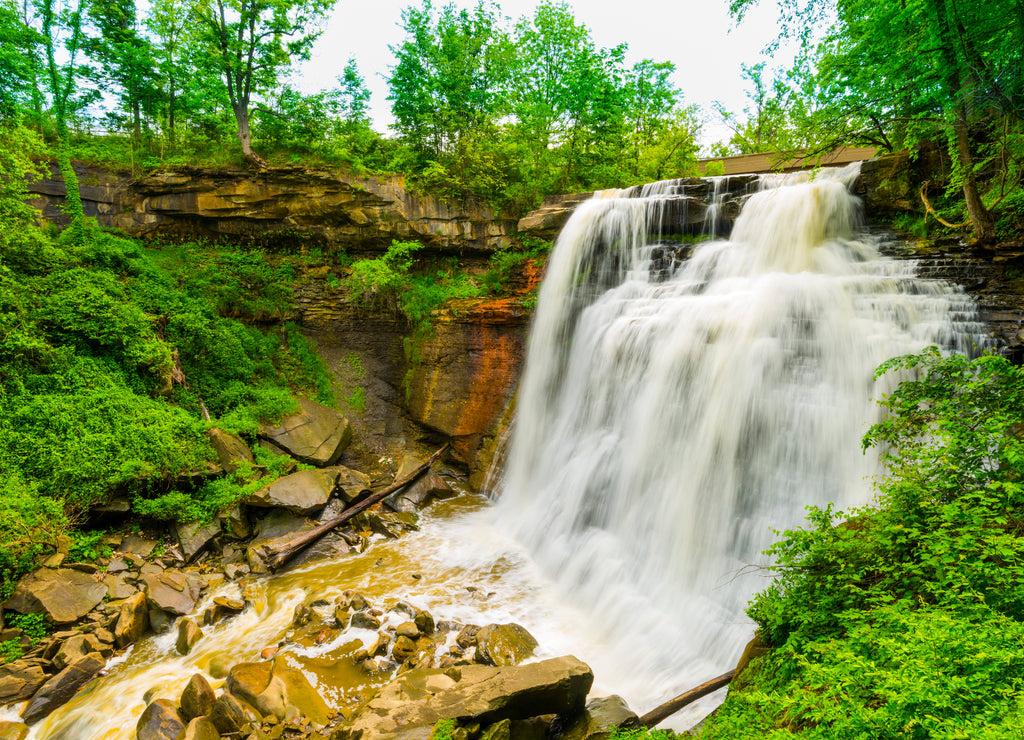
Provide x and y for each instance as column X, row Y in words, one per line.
column 63, row 594
column 279, row 205
column 304, row 493
column 316, row 435
column 483, row 694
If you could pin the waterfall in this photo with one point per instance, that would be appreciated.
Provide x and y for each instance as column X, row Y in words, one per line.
column 673, row 413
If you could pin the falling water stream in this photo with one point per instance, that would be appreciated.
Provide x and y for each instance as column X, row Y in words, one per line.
column 672, row 414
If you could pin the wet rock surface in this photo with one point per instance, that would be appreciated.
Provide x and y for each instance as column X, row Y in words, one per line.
column 316, row 435
column 480, row 694
column 64, row 594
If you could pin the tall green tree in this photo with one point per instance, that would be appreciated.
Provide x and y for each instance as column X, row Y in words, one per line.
column 448, row 74
column 251, row 42
column 62, row 32
column 18, row 61
column 914, row 70
column 124, row 57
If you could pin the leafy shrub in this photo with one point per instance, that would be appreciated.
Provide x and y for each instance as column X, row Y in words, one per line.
column 109, row 356
column 88, row 546
column 389, row 282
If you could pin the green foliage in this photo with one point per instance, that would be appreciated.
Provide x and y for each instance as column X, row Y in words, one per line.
column 30, row 523
column 109, row 354
column 34, row 627
column 643, row 733
column 505, row 263
column 10, row 651
column 389, row 282
column 250, row 43
column 906, row 618
column 87, row 546
column 203, row 503
column 896, row 75
column 443, row 729
column 510, row 115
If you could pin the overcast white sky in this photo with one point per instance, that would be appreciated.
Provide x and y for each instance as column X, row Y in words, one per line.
column 697, row 35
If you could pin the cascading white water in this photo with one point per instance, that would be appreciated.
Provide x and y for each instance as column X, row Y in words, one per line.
column 667, row 424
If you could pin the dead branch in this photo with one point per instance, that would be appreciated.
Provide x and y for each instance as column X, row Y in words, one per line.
column 278, row 556
column 929, row 210
column 666, row 710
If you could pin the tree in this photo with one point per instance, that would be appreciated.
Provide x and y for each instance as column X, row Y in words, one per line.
column 18, row 71
column 62, row 80
column 166, row 24
column 446, row 80
column 250, row 41
column 125, row 58
column 916, row 70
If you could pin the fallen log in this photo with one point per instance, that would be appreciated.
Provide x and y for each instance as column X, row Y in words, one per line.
column 275, row 557
column 666, row 710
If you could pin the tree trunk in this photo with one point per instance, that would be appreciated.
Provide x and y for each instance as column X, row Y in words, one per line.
column 956, row 80
column 981, row 217
column 245, row 137
column 170, row 110
column 278, row 556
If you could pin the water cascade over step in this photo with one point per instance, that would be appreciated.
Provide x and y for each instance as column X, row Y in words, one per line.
column 674, row 412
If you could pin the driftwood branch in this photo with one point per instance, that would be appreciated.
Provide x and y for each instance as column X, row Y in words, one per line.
column 278, row 556
column 929, row 210
column 666, row 710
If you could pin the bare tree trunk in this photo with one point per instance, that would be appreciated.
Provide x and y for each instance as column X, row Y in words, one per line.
column 245, row 137
column 981, row 217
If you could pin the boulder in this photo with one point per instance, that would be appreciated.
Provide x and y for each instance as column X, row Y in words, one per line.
column 75, row 648
column 136, row 544
column 132, row 620
column 236, row 523
column 273, row 687
column 222, row 607
column 305, row 492
column 200, row 728
column 193, row 537
column 316, row 435
column 601, row 718
column 172, row 591
column 19, row 681
column 65, row 595
column 197, row 699
column 404, row 649
column 117, row 589
column 479, row 694
column 230, row 713
column 277, row 527
column 13, row 731
column 421, row 491
column 161, row 720
column 59, row 689
column 503, row 644
column 231, row 450
column 350, row 484
column 188, row 635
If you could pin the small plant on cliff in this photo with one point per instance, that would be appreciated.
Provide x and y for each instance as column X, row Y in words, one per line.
column 443, row 729
column 390, row 282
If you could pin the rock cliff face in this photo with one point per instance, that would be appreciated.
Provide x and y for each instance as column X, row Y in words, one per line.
column 281, row 205
column 457, row 381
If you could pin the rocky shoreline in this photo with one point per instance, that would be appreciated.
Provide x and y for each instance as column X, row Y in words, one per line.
column 418, row 670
